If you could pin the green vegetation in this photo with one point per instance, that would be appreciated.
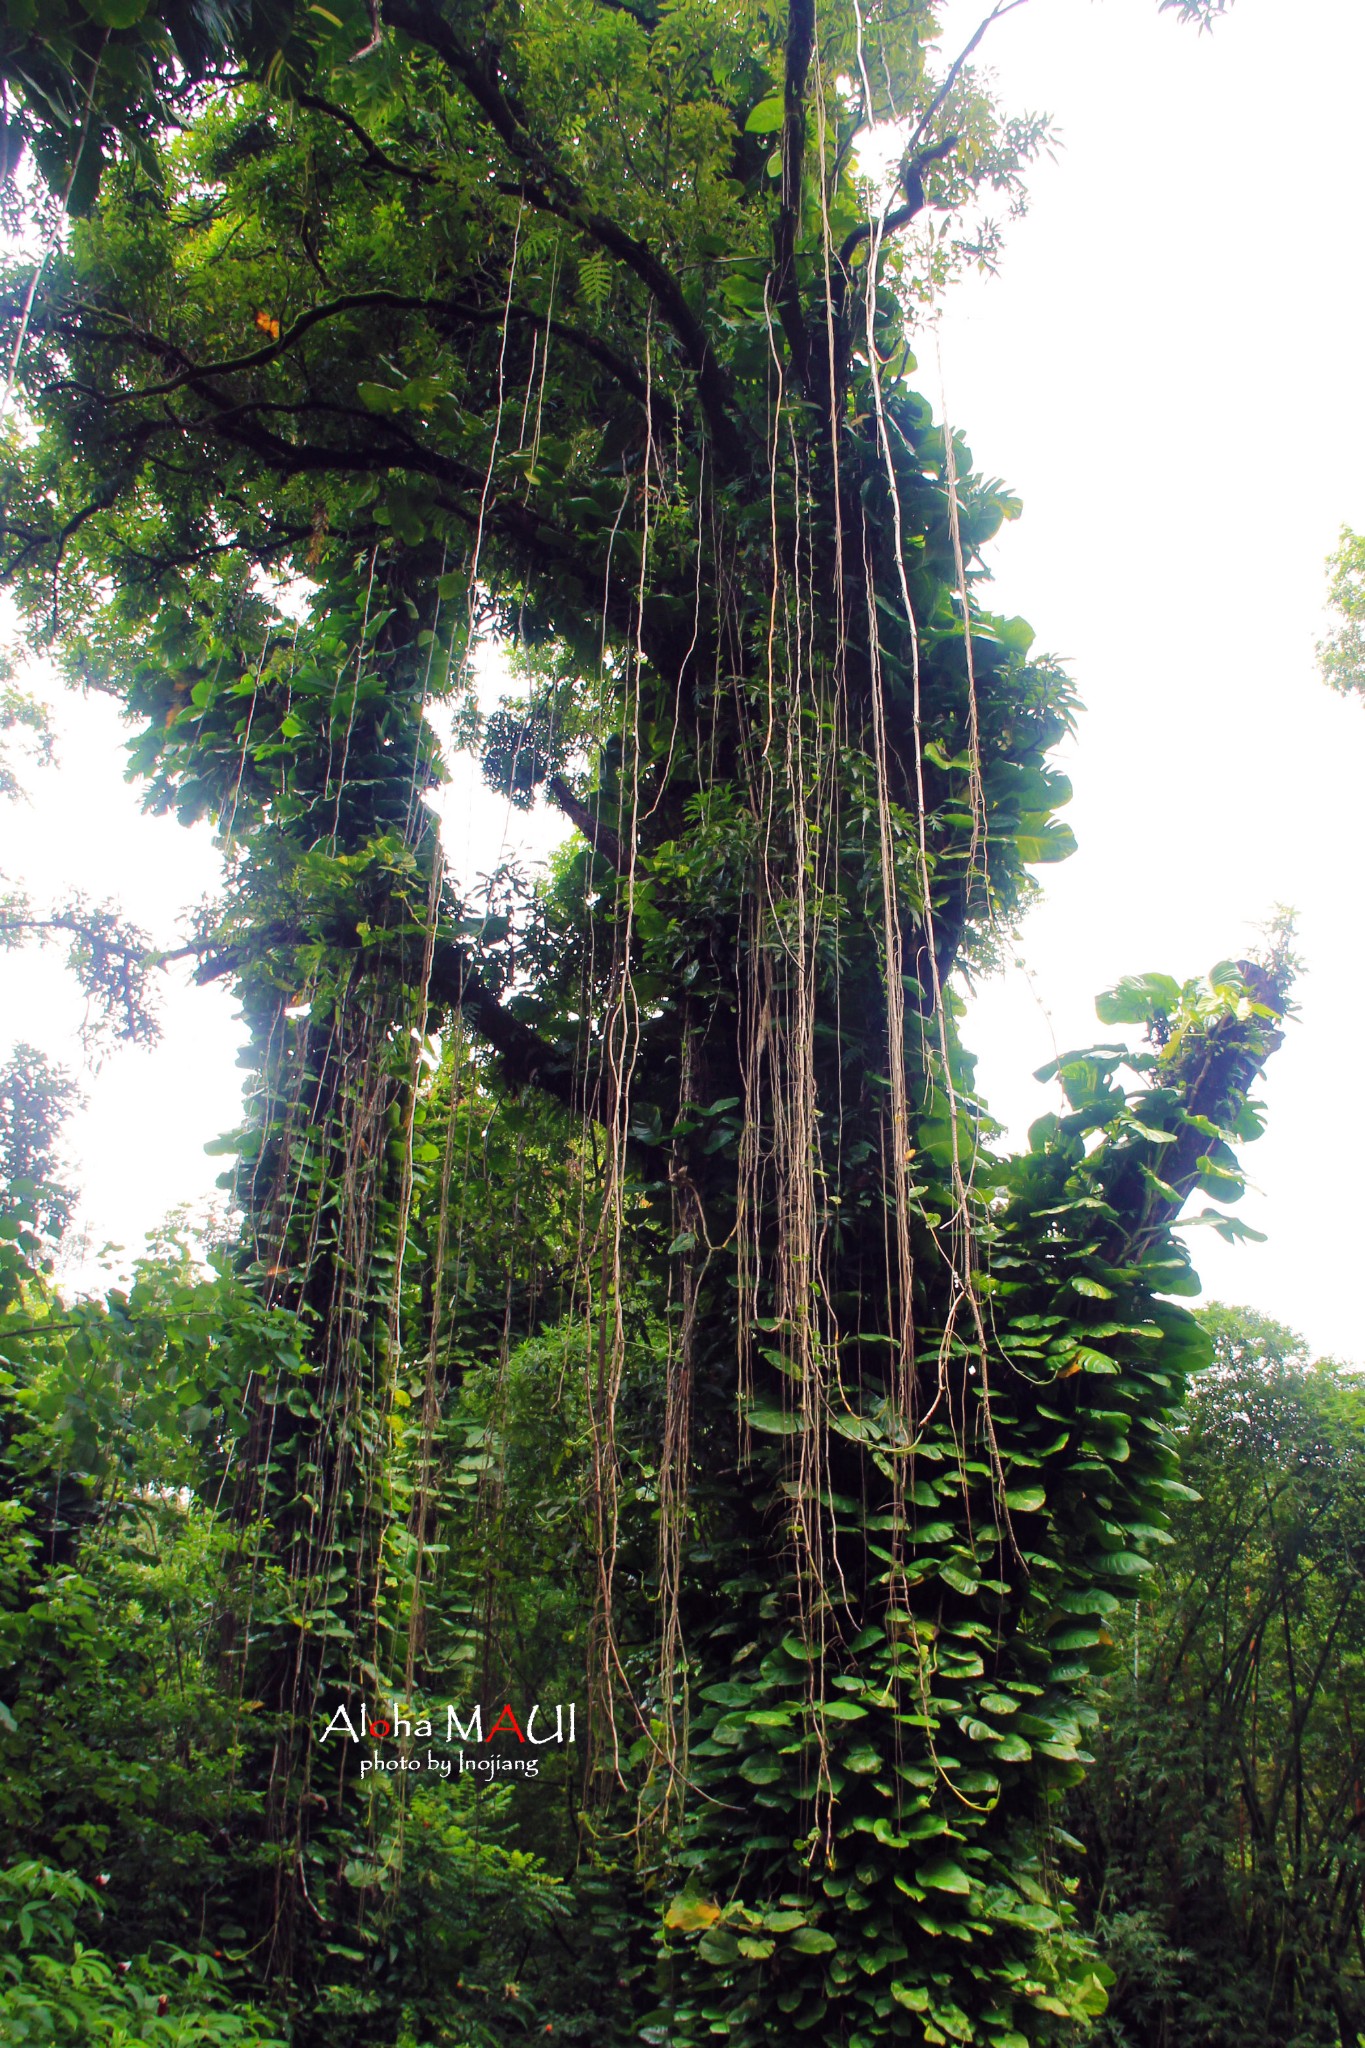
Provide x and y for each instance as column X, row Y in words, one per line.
column 1222, row 1820
column 631, row 1306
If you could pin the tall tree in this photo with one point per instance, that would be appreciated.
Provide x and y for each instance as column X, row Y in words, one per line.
column 574, row 323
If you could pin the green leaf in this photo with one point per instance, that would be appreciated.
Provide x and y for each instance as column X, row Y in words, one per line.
column 933, row 751
column 766, row 117
column 812, row 1941
column 1025, row 1500
column 115, row 13
column 1017, row 634
column 863, row 1758
column 595, row 279
column 1137, row 999
column 1092, row 1998
column 1038, row 849
column 941, row 1874
column 1230, row 1228
column 772, row 1420
column 761, row 1770
column 686, row 1914
column 1012, row 1749
column 1126, row 1563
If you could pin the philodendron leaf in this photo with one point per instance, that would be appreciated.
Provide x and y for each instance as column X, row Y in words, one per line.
column 811, row 1941
column 1051, row 843
column 773, row 1421
column 1137, row 999
column 941, row 1874
column 687, row 1913
column 766, row 117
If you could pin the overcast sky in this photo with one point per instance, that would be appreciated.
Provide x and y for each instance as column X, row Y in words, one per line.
column 1168, row 370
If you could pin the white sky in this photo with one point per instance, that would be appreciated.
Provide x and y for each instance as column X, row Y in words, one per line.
column 1168, row 370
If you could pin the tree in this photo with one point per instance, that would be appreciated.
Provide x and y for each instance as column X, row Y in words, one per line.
column 36, row 1098
column 107, row 957
column 1222, row 1821
column 575, row 325
column 20, row 713
column 1342, row 654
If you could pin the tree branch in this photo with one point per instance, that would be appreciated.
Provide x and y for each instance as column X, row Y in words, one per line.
column 914, row 161
column 600, row 837
column 551, row 190
column 456, row 984
column 626, row 373
column 911, row 177
column 376, row 155
column 528, row 1060
column 973, row 42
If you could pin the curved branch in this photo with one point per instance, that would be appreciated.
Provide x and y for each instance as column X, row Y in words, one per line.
column 600, row 837
column 912, row 181
column 914, row 162
column 455, row 984
column 1002, row 7
column 550, row 189
column 191, row 373
column 528, row 1060
column 377, row 156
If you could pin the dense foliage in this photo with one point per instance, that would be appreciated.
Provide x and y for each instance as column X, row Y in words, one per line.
column 1219, row 1823
column 661, row 1185
column 1222, row 1821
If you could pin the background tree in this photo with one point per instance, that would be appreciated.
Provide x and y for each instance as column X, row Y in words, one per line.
column 1222, row 1820
column 36, row 1097
column 577, row 326
column 1342, row 653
